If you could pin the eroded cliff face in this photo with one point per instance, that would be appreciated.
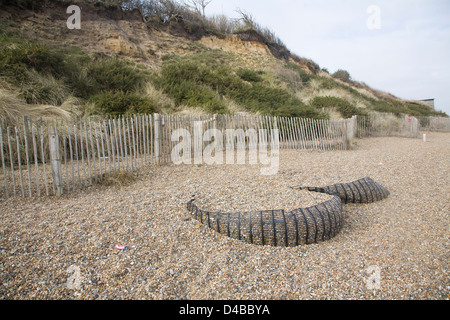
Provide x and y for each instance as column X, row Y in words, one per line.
column 111, row 33
column 254, row 54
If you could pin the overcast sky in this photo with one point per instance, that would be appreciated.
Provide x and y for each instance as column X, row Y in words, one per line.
column 408, row 55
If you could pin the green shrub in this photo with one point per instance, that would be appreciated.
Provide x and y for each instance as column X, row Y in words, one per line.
column 115, row 75
column 327, row 83
column 324, row 102
column 36, row 69
column 347, row 110
column 22, row 60
column 300, row 112
column 208, row 58
column 440, row 114
column 342, row 75
column 201, row 83
column 82, row 85
column 76, row 74
column 305, row 76
column 43, row 89
column 187, row 84
column 266, row 99
column 344, row 107
column 119, row 103
column 400, row 107
column 388, row 107
column 19, row 55
column 195, row 95
column 183, row 70
column 419, row 110
column 249, row 75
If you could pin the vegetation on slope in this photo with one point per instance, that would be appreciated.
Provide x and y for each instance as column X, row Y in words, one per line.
column 196, row 80
column 35, row 74
column 44, row 75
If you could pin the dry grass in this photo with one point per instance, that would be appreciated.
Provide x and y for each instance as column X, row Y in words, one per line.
column 44, row 89
column 161, row 101
column 315, row 90
column 187, row 110
column 121, row 179
column 13, row 108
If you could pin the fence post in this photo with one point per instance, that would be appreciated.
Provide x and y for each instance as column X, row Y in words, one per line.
column 416, row 127
column 55, row 161
column 351, row 128
column 157, row 129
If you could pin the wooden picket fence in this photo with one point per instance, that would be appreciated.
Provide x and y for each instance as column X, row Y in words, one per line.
column 437, row 124
column 57, row 158
column 54, row 158
column 60, row 157
column 378, row 124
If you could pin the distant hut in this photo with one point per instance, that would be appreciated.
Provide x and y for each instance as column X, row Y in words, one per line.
column 429, row 102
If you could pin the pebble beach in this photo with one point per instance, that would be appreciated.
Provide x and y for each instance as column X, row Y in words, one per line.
column 138, row 241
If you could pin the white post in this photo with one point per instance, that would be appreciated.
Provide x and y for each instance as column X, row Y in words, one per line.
column 198, row 142
column 351, row 126
column 157, row 118
column 55, row 161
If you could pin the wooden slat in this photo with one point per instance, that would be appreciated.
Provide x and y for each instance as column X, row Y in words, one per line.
column 94, row 166
column 43, row 162
column 19, row 160
column 88, row 153
column 11, row 160
column 71, row 157
column 3, row 163
column 27, row 154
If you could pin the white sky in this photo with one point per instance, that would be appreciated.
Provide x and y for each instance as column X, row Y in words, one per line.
column 409, row 56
